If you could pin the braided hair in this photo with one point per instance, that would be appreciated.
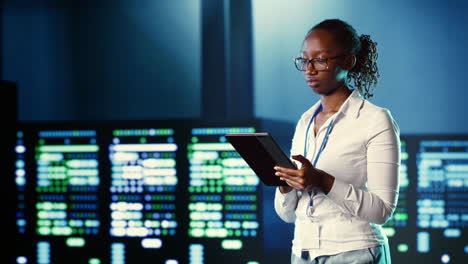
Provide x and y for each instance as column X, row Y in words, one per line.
column 365, row 73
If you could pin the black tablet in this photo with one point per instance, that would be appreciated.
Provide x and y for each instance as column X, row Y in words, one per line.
column 262, row 153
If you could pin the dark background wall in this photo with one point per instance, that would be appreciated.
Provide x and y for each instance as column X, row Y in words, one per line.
column 75, row 60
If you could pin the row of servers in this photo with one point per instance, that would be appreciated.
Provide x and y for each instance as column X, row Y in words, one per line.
column 177, row 192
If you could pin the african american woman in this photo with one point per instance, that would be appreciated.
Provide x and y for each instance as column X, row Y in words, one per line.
column 347, row 151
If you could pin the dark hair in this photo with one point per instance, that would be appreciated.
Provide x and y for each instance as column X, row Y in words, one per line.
column 365, row 73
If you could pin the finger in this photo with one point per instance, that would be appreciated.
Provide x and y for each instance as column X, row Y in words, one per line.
column 294, row 185
column 289, row 177
column 305, row 162
column 286, row 170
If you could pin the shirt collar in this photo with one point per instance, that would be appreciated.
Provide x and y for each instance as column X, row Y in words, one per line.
column 350, row 106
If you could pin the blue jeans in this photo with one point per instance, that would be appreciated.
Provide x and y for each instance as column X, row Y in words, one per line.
column 375, row 255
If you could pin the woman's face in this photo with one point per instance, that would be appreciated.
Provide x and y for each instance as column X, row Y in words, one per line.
column 321, row 44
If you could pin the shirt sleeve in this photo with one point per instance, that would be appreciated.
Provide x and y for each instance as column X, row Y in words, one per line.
column 285, row 205
column 378, row 202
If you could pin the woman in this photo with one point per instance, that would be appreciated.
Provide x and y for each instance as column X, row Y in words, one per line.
column 347, row 151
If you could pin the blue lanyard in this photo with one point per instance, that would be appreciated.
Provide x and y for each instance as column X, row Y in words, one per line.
column 324, row 142
column 325, row 139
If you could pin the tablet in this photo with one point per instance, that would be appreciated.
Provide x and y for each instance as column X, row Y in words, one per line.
column 261, row 152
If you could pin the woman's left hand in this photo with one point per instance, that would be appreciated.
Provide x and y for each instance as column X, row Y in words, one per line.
column 307, row 177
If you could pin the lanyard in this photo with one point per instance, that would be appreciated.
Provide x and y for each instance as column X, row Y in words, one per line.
column 324, row 142
column 325, row 139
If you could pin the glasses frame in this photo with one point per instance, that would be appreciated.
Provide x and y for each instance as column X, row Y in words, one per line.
column 312, row 61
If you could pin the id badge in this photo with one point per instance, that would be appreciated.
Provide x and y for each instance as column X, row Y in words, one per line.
column 308, row 235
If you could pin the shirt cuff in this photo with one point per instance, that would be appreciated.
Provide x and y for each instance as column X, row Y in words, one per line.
column 338, row 191
column 285, row 198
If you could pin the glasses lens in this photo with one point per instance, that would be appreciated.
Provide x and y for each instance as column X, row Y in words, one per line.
column 301, row 64
column 320, row 65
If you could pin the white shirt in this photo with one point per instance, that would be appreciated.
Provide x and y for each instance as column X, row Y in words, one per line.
column 363, row 154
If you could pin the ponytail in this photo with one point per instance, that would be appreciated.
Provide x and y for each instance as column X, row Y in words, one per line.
column 365, row 73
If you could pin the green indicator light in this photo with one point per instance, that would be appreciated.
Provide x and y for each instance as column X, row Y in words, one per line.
column 403, row 143
column 94, row 261
column 194, row 139
column 237, row 232
column 41, row 141
column 44, row 231
column 251, row 130
column 44, row 223
column 231, row 244
column 143, row 140
column 212, row 146
column 75, row 242
column 68, row 148
column 404, row 156
column 402, row 248
column 401, row 216
column 167, row 132
column 389, row 231
column 196, row 232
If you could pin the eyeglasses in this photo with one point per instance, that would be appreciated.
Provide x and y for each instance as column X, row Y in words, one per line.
column 320, row 64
